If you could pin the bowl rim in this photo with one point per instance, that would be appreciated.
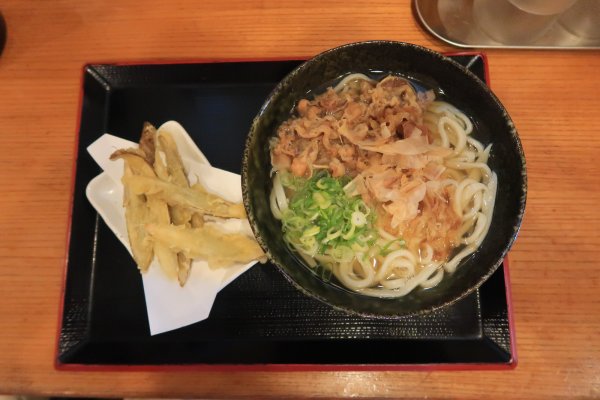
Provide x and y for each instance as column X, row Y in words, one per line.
column 513, row 133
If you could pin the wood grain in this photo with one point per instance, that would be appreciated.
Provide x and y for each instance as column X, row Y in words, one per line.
column 553, row 98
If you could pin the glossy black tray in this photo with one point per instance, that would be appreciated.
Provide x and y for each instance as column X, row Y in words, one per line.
column 259, row 320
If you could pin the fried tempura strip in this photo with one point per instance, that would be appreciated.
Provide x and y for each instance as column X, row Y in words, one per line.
column 177, row 175
column 136, row 217
column 209, row 243
column 150, row 146
column 197, row 218
column 155, row 208
column 148, row 142
column 136, row 160
column 166, row 258
column 205, row 203
column 174, row 164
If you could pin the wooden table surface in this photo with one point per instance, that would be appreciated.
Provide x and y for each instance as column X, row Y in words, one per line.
column 553, row 97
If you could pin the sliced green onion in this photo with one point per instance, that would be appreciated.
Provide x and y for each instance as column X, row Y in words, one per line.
column 332, row 233
column 322, row 184
column 358, row 218
column 312, row 231
column 350, row 234
column 362, row 207
column 323, row 199
column 342, row 254
column 323, row 221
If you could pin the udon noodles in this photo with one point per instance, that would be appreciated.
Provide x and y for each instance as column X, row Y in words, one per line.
column 381, row 185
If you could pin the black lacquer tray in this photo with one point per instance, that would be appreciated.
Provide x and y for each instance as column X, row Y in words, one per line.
column 259, row 321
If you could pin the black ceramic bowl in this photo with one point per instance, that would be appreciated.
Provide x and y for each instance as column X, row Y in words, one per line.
column 461, row 88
